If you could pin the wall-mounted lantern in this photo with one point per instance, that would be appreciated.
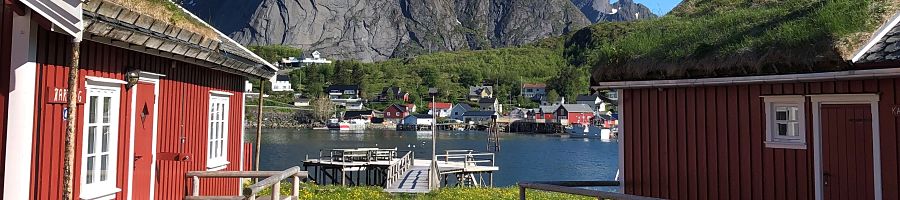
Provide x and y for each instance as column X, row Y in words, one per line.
column 132, row 78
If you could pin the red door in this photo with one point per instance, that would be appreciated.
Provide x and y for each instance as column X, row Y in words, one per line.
column 847, row 151
column 143, row 140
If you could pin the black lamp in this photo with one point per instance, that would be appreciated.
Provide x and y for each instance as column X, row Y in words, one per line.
column 132, row 78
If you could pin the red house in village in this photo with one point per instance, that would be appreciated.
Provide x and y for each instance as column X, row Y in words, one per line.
column 395, row 113
column 568, row 114
column 823, row 129
column 156, row 100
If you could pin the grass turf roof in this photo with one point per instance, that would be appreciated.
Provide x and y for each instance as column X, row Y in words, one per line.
column 720, row 38
column 168, row 11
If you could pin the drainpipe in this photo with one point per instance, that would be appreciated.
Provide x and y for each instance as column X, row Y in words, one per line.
column 69, row 162
column 259, row 111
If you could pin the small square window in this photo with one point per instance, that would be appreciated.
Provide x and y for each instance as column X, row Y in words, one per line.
column 785, row 119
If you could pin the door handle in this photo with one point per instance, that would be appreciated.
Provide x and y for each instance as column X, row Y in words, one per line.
column 825, row 177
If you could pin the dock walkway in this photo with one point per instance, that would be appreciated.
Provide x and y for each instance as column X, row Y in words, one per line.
column 415, row 180
column 404, row 174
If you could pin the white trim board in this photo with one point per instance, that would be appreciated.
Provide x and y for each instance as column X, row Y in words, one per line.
column 152, row 78
column 817, row 102
column 885, row 28
column 21, row 101
column 841, row 75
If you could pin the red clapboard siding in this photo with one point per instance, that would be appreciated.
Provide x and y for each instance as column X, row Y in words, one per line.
column 5, row 50
column 182, row 128
column 716, row 137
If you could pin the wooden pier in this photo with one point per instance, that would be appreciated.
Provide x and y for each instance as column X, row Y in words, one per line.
column 404, row 174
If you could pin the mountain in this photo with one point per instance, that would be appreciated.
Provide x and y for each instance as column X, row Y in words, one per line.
column 375, row 30
column 622, row 10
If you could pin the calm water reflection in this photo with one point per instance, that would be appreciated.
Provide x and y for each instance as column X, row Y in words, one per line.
column 522, row 157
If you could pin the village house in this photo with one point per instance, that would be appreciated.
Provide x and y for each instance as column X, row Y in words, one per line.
column 490, row 104
column 281, row 83
column 530, row 90
column 568, row 114
column 411, row 107
column 598, row 103
column 443, row 109
column 480, row 116
column 344, row 95
column 154, row 100
column 358, row 114
column 544, row 114
column 395, row 113
column 518, row 113
column 418, row 120
column 392, row 93
column 301, row 100
column 480, row 92
column 813, row 125
column 459, row 110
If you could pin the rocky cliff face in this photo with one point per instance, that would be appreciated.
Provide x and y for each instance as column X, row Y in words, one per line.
column 372, row 30
column 622, row 10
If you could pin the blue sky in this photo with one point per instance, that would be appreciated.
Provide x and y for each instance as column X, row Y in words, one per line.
column 659, row 7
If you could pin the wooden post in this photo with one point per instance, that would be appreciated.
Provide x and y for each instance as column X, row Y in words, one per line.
column 69, row 162
column 276, row 190
column 196, row 191
column 296, row 190
column 259, row 115
column 521, row 193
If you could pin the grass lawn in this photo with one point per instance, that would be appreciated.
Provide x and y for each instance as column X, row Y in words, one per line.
column 316, row 192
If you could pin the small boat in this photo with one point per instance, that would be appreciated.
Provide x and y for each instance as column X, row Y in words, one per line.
column 352, row 125
column 588, row 131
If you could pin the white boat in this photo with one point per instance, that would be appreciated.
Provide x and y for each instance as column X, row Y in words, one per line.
column 588, row 131
column 352, row 125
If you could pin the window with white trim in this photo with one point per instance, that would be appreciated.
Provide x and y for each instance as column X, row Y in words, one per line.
column 785, row 122
column 99, row 141
column 217, row 145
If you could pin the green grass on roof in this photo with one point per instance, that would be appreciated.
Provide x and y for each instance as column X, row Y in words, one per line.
column 700, row 29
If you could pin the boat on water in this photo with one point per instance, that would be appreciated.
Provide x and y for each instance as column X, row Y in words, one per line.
column 588, row 131
column 351, row 125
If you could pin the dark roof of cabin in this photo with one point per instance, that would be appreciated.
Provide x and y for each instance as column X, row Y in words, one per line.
column 401, row 108
column 585, row 97
column 487, row 100
column 463, row 106
column 283, row 77
column 480, row 113
column 716, row 39
column 886, row 49
column 342, row 87
column 577, row 108
column 350, row 114
column 106, row 21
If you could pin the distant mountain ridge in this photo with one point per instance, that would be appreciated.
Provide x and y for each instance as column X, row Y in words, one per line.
column 376, row 30
column 604, row 11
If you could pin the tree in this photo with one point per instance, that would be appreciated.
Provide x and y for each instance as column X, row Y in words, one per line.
column 552, row 96
column 323, row 108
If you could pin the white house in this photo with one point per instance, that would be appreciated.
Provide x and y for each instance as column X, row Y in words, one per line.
column 459, row 110
column 443, row 109
column 316, row 59
column 344, row 94
column 281, row 83
column 419, row 119
column 490, row 104
column 479, row 116
column 531, row 90
column 248, row 86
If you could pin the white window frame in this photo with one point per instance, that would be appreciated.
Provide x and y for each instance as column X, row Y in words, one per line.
column 217, row 131
column 100, row 88
column 773, row 140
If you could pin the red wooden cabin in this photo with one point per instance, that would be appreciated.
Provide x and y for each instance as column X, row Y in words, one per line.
column 574, row 114
column 828, row 131
column 156, row 100
column 395, row 113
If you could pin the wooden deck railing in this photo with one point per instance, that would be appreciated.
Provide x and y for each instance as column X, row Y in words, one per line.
column 469, row 157
column 573, row 187
column 396, row 170
column 272, row 179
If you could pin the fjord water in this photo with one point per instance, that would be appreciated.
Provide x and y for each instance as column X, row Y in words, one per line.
column 522, row 157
